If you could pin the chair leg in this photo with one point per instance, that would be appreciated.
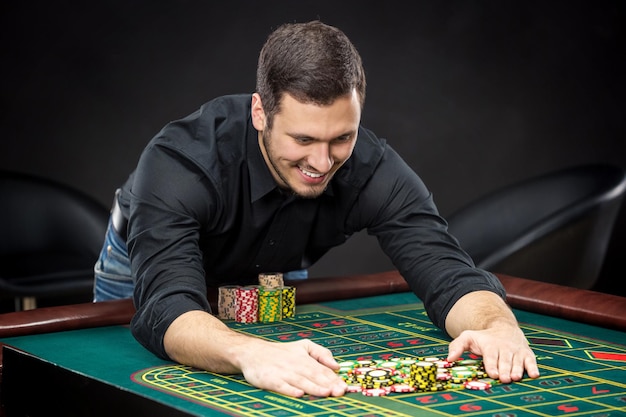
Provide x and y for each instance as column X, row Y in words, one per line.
column 25, row 303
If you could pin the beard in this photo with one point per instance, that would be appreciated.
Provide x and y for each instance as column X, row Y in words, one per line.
column 308, row 192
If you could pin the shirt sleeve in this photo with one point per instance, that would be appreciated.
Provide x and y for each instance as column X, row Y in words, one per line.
column 397, row 208
column 169, row 195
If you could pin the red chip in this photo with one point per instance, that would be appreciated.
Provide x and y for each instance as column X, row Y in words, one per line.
column 444, row 364
column 374, row 392
column 443, row 376
column 402, row 388
column 479, row 385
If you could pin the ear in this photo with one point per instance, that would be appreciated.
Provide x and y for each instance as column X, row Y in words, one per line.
column 257, row 112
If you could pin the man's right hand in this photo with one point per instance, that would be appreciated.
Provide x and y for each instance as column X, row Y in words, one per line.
column 293, row 368
column 199, row 339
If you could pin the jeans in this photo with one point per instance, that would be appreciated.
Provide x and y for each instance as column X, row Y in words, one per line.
column 297, row 274
column 113, row 277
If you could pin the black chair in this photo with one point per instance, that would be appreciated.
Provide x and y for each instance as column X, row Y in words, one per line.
column 553, row 228
column 50, row 239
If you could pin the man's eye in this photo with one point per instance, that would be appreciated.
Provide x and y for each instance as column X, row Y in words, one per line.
column 343, row 139
column 303, row 140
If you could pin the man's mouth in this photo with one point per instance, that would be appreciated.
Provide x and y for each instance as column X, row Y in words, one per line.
column 310, row 174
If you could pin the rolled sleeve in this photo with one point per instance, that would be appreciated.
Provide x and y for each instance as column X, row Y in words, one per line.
column 153, row 318
column 167, row 199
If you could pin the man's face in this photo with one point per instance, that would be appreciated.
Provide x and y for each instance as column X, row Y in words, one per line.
column 308, row 143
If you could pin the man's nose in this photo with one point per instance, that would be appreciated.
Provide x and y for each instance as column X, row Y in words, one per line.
column 320, row 158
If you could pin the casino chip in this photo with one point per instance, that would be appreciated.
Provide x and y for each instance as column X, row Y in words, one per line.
column 402, row 388
column 477, row 384
column 412, row 374
column 374, row 392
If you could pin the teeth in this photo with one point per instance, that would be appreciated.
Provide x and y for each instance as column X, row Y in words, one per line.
column 310, row 174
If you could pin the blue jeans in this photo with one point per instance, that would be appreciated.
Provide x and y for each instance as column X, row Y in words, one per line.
column 113, row 277
column 297, row 274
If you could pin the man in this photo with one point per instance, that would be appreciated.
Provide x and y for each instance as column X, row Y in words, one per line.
column 270, row 182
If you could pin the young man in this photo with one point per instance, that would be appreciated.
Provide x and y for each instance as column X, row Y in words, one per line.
column 270, row 182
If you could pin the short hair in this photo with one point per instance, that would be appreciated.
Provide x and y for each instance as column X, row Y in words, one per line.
column 313, row 62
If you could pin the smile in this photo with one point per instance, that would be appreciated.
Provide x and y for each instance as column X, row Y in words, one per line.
column 310, row 174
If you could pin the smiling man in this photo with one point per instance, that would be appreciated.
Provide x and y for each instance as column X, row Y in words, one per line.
column 271, row 181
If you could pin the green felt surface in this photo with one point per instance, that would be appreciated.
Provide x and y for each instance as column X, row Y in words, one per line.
column 583, row 367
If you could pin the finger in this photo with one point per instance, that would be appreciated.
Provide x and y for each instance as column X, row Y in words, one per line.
column 531, row 366
column 465, row 342
column 338, row 388
column 321, row 383
column 322, row 355
column 491, row 363
column 310, row 378
column 456, row 349
column 517, row 369
column 505, row 364
column 289, row 390
column 323, row 371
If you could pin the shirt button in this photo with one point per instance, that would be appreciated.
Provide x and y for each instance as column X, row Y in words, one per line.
column 272, row 242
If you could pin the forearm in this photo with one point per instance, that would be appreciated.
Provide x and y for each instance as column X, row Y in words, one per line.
column 478, row 310
column 198, row 339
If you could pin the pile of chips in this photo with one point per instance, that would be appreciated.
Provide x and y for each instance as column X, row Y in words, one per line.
column 268, row 302
column 413, row 374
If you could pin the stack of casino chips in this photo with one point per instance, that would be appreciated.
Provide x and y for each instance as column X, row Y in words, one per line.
column 271, row 280
column 288, row 302
column 227, row 301
column 412, row 374
column 276, row 301
column 423, row 376
column 268, row 302
column 247, row 305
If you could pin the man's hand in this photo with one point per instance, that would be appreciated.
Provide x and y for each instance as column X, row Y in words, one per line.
column 293, row 368
column 504, row 350
column 483, row 324
column 198, row 339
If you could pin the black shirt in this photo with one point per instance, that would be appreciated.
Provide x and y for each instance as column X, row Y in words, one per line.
column 204, row 209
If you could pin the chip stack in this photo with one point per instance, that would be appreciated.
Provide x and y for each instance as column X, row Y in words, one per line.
column 404, row 365
column 271, row 280
column 288, row 302
column 423, row 375
column 247, row 307
column 270, row 308
column 377, row 378
column 227, row 302
column 267, row 302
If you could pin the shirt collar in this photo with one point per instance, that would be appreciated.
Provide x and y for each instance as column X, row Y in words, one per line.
column 261, row 180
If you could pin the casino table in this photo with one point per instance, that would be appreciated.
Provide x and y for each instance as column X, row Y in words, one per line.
column 81, row 360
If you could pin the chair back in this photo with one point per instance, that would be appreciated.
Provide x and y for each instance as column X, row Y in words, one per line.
column 554, row 228
column 50, row 237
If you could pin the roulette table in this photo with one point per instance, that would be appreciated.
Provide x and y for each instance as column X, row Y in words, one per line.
column 82, row 359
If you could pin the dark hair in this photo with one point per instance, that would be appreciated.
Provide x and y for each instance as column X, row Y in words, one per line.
column 313, row 62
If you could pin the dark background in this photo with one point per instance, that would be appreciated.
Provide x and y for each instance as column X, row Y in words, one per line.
column 474, row 94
